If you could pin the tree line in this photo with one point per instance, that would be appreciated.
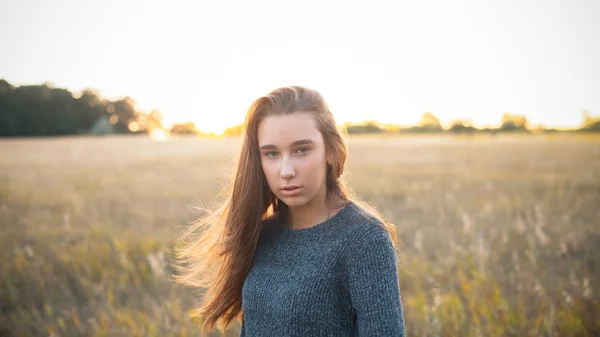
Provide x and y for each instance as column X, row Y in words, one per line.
column 43, row 110
column 429, row 123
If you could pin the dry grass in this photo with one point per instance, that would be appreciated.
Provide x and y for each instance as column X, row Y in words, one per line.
column 501, row 233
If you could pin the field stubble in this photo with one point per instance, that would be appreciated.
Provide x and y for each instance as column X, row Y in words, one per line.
column 499, row 235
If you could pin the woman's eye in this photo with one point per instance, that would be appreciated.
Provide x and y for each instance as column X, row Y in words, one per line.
column 303, row 150
column 271, row 154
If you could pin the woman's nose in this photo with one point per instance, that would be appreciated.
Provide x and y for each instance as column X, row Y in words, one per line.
column 287, row 169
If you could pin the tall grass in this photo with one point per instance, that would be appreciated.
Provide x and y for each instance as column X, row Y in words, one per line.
column 499, row 234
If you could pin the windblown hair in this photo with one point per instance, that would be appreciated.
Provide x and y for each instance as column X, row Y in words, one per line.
column 218, row 248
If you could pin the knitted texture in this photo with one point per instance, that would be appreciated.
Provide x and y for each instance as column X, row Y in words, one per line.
column 338, row 278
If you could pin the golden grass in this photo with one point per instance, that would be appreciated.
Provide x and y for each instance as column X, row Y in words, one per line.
column 500, row 233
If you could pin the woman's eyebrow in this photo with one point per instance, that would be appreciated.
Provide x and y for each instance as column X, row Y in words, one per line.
column 296, row 143
column 302, row 142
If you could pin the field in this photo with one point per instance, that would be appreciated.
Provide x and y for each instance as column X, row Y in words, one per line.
column 500, row 234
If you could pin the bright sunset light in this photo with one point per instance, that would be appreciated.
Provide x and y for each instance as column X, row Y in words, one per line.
column 380, row 60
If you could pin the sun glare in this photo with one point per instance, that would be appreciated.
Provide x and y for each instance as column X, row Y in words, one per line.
column 388, row 70
column 159, row 135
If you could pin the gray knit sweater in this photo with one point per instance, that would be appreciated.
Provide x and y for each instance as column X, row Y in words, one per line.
column 338, row 278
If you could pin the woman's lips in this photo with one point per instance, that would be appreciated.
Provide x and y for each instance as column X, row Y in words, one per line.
column 288, row 192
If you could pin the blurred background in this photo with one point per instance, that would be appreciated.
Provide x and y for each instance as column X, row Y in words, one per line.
column 474, row 126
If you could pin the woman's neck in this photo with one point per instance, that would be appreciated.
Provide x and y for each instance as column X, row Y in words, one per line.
column 313, row 213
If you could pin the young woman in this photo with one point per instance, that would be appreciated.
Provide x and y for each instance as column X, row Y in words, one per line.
column 292, row 252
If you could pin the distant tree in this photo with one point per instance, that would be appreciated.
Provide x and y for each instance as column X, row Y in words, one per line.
column 391, row 128
column 541, row 128
column 101, row 127
column 9, row 122
column 489, row 130
column 234, row 131
column 587, row 117
column 89, row 107
column 514, row 123
column 146, row 123
column 125, row 113
column 154, row 120
column 365, row 127
column 590, row 123
column 59, row 113
column 43, row 110
column 462, row 127
column 4, row 86
column 188, row 128
column 552, row 130
column 428, row 123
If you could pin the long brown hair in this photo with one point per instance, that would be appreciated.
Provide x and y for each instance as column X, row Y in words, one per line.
column 218, row 248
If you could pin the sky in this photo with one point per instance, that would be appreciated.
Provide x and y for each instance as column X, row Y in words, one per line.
column 391, row 61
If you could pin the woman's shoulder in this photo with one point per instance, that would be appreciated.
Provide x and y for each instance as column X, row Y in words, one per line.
column 360, row 221
column 367, row 236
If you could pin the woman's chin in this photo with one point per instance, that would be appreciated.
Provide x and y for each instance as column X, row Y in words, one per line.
column 294, row 201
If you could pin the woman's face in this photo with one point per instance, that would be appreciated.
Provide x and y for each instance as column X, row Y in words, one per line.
column 293, row 158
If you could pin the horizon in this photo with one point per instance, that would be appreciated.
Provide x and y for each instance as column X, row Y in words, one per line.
column 382, row 125
column 470, row 61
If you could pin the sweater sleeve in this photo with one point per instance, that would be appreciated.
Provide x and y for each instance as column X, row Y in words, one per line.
column 373, row 285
